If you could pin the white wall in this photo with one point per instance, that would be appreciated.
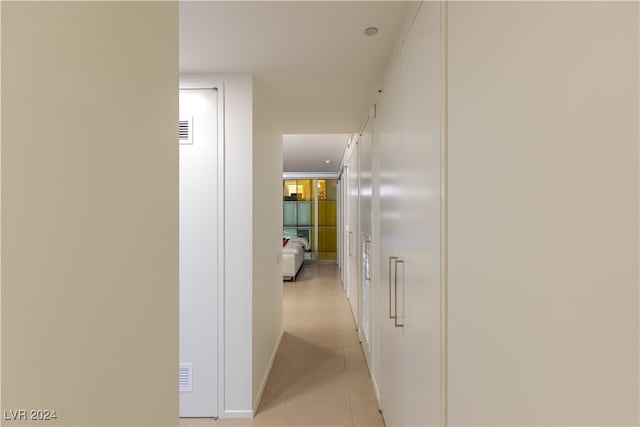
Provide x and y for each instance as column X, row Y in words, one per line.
column 543, row 213
column 89, row 211
column 267, row 243
column 238, row 151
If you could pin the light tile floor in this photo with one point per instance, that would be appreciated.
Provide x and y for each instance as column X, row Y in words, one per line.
column 319, row 376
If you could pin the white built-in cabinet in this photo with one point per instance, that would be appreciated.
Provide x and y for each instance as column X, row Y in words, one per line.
column 406, row 139
column 391, row 211
column 533, row 247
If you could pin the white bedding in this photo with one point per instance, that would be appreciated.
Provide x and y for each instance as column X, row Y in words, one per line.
column 305, row 242
column 295, row 248
column 293, row 257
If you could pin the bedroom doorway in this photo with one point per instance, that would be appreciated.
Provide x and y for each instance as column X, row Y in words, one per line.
column 310, row 212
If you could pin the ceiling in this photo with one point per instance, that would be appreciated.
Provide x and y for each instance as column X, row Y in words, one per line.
column 318, row 69
column 308, row 153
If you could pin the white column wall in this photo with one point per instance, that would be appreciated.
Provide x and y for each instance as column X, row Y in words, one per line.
column 253, row 229
column 236, row 386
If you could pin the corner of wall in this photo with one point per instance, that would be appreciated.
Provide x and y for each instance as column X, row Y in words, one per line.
column 267, row 232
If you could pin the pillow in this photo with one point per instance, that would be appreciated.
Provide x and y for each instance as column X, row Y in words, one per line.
column 302, row 240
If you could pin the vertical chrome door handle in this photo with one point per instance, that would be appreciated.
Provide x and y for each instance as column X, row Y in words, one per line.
column 395, row 318
column 391, row 258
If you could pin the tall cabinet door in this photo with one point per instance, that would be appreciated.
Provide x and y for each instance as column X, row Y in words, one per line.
column 353, row 234
column 388, row 145
column 421, row 230
column 411, row 370
column 365, row 146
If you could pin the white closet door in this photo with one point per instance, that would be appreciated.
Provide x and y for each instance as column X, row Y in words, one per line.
column 353, row 235
column 198, row 254
column 420, row 285
column 366, row 238
column 387, row 135
column 411, row 387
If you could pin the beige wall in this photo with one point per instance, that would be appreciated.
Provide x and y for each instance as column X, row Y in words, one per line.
column 543, row 213
column 267, row 235
column 89, row 211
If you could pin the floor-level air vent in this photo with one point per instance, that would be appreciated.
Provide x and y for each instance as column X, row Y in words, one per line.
column 185, row 377
column 185, row 131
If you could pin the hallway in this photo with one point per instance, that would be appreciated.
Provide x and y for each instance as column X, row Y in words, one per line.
column 319, row 376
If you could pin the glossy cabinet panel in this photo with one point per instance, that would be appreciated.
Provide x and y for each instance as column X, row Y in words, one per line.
column 353, row 234
column 365, row 147
column 408, row 137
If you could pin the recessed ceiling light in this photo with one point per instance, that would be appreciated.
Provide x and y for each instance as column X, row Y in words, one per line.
column 327, row 161
column 371, row 31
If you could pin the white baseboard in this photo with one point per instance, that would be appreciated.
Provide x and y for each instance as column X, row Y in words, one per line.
column 266, row 375
column 237, row 413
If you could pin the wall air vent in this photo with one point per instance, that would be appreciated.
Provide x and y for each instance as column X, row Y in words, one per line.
column 185, row 131
column 185, row 377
